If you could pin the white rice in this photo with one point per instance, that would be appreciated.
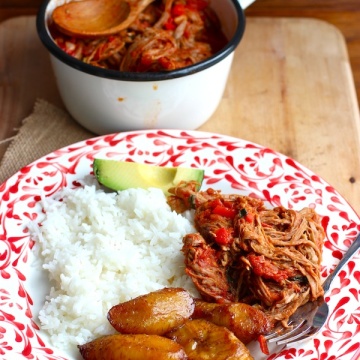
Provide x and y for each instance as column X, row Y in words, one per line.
column 101, row 249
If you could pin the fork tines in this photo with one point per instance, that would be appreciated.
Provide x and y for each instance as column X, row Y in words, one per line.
column 299, row 327
column 290, row 335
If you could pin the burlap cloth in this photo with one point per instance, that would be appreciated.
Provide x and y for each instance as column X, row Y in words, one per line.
column 48, row 128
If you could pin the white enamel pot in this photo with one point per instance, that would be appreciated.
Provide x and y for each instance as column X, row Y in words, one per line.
column 106, row 101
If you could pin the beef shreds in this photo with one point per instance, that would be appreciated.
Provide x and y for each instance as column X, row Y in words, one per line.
column 166, row 35
column 244, row 252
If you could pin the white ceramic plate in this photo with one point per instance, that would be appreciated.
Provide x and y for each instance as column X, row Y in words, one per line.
column 230, row 164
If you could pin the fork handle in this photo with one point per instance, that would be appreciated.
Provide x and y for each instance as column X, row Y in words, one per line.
column 349, row 253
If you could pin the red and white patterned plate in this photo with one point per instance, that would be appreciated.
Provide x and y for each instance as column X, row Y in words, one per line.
column 230, row 164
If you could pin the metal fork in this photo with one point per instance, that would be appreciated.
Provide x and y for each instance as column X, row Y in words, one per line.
column 310, row 318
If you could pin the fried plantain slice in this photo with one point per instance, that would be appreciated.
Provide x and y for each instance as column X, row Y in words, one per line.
column 132, row 347
column 245, row 321
column 155, row 313
column 203, row 340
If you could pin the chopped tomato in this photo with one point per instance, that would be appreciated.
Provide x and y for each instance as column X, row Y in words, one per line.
column 223, row 236
column 165, row 63
column 205, row 256
column 215, row 203
column 247, row 216
column 146, row 60
column 265, row 225
column 266, row 269
column 178, row 9
column 224, row 211
column 263, row 345
column 170, row 25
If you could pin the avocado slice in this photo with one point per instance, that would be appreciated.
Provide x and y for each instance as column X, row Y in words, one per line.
column 120, row 175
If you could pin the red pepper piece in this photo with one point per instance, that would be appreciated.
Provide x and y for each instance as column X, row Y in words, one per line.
column 224, row 211
column 263, row 345
column 215, row 203
column 178, row 9
column 266, row 269
column 223, row 236
column 170, row 25
column 166, row 63
column 146, row 60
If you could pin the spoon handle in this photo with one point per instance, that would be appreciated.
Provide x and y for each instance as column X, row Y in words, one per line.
column 350, row 252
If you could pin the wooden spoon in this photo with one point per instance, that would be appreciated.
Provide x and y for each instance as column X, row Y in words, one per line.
column 97, row 17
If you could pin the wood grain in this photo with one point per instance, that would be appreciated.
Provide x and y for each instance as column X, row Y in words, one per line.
column 344, row 14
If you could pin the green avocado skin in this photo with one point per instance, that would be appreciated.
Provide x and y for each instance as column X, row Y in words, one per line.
column 121, row 175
